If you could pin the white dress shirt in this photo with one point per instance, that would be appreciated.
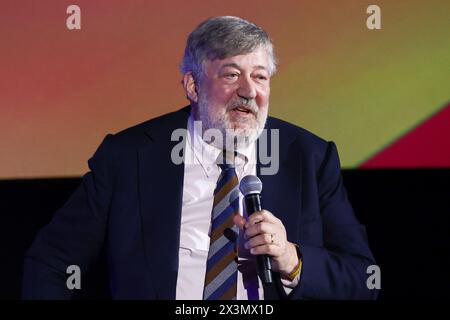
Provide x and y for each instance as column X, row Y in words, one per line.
column 201, row 173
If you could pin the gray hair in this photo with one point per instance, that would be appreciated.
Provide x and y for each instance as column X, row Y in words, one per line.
column 223, row 37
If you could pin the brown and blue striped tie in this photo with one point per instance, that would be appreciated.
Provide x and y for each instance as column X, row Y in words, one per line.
column 221, row 267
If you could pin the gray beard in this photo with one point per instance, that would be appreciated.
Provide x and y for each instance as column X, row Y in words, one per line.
column 232, row 139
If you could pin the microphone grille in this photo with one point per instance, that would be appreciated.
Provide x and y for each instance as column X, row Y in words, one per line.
column 250, row 184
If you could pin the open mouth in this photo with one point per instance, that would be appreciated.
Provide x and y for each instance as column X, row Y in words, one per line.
column 242, row 110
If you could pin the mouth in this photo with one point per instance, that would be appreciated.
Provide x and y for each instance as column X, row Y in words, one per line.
column 242, row 110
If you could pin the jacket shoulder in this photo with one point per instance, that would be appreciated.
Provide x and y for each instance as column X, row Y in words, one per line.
column 140, row 133
column 304, row 139
column 314, row 151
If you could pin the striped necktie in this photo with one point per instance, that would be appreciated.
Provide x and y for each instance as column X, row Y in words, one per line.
column 221, row 267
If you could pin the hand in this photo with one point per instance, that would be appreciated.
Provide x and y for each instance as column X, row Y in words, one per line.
column 265, row 234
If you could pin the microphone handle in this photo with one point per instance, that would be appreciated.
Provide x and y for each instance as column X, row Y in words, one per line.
column 253, row 204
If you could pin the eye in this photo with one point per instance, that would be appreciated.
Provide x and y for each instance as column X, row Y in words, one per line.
column 261, row 77
column 231, row 75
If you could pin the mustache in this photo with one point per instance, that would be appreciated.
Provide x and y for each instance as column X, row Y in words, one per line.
column 249, row 104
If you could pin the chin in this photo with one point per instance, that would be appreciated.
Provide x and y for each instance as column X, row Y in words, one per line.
column 242, row 127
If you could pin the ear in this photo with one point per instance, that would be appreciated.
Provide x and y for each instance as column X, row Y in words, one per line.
column 190, row 87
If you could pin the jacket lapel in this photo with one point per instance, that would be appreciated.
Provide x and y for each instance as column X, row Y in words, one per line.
column 161, row 191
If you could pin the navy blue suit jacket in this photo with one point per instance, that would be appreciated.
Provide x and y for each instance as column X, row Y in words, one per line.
column 129, row 205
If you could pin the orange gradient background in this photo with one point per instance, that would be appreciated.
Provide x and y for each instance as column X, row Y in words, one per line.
column 62, row 91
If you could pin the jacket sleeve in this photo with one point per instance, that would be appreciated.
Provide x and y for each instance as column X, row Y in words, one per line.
column 338, row 270
column 75, row 234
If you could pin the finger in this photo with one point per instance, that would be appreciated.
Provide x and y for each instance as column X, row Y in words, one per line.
column 259, row 228
column 269, row 249
column 259, row 216
column 255, row 218
column 262, row 239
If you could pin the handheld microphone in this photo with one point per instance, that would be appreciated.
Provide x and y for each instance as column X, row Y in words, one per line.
column 251, row 188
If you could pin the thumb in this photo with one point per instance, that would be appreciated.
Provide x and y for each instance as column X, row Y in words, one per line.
column 239, row 221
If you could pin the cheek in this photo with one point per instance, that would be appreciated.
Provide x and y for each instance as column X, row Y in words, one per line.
column 225, row 95
column 221, row 97
column 262, row 98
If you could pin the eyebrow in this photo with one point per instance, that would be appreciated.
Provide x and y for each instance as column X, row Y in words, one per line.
column 235, row 65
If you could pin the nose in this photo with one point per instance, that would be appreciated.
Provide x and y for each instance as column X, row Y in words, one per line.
column 246, row 88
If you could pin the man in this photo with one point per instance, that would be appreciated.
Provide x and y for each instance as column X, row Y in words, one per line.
column 179, row 229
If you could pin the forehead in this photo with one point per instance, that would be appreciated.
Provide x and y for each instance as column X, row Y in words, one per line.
column 257, row 59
